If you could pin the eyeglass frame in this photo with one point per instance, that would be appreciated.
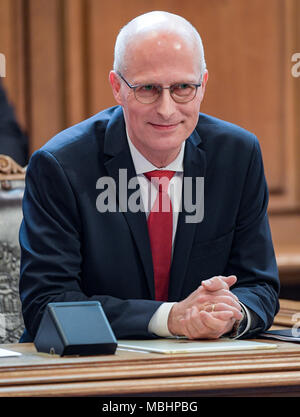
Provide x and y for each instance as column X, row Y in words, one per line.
column 134, row 87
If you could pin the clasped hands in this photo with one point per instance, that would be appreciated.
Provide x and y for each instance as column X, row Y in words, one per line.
column 208, row 312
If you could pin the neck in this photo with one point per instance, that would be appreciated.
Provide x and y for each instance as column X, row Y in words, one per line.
column 159, row 159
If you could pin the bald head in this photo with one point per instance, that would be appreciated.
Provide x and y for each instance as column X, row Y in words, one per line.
column 156, row 25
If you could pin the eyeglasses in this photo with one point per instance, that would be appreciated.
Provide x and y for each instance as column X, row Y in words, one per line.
column 149, row 93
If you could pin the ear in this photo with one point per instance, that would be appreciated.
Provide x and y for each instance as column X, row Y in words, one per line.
column 116, row 86
column 204, row 82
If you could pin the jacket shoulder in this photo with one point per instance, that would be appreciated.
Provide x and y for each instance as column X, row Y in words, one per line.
column 212, row 129
column 82, row 135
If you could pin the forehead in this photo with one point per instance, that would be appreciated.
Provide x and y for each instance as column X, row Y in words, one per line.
column 162, row 57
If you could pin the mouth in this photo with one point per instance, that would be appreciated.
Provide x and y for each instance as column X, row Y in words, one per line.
column 165, row 127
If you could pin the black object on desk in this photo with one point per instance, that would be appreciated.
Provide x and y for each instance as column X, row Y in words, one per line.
column 75, row 328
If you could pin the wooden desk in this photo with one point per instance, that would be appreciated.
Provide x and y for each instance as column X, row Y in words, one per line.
column 247, row 373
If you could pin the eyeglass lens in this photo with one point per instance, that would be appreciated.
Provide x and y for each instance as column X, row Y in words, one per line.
column 180, row 92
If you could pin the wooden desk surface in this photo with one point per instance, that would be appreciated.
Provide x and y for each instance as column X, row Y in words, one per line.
column 258, row 372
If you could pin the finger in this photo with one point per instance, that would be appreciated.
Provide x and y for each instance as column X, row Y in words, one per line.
column 228, row 327
column 222, row 292
column 216, row 322
column 223, row 315
column 230, row 280
column 182, row 324
column 214, row 284
column 194, row 324
column 226, row 299
column 237, row 313
column 219, row 282
column 212, row 327
column 189, row 323
column 219, row 299
column 196, row 329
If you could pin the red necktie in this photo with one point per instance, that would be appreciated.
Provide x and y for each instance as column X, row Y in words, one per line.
column 160, row 225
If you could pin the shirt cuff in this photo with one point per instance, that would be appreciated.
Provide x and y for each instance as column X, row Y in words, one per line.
column 159, row 321
column 242, row 330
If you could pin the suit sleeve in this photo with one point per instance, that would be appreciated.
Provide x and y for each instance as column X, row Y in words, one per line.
column 50, row 239
column 252, row 257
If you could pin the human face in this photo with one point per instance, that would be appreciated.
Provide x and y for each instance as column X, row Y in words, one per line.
column 158, row 129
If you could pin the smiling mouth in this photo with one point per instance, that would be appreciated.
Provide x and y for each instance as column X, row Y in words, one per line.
column 165, row 126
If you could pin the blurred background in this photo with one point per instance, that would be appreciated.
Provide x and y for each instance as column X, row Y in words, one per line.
column 59, row 52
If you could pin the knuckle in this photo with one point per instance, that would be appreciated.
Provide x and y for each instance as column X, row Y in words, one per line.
column 202, row 298
column 228, row 300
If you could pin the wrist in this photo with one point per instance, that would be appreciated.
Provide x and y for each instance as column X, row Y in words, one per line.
column 172, row 320
column 238, row 327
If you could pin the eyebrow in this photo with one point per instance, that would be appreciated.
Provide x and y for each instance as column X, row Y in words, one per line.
column 171, row 83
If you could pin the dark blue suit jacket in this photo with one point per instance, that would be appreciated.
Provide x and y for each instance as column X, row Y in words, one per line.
column 70, row 251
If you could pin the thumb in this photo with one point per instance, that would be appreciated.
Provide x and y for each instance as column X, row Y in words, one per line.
column 219, row 282
column 230, row 280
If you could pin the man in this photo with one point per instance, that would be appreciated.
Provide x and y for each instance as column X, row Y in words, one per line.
column 154, row 274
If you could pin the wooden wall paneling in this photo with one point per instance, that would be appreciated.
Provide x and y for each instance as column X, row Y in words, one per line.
column 284, row 210
column 105, row 19
column 296, row 96
column 75, row 62
column 45, row 60
column 287, row 199
column 100, row 41
column 20, row 96
column 6, row 44
column 243, row 44
column 12, row 45
column 6, row 40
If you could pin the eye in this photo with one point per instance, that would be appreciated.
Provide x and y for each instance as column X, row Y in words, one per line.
column 183, row 86
column 182, row 90
column 148, row 87
column 147, row 90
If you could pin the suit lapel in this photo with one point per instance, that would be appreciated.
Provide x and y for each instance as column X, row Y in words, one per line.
column 117, row 149
column 194, row 166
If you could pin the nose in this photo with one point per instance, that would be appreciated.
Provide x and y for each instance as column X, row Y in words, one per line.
column 165, row 106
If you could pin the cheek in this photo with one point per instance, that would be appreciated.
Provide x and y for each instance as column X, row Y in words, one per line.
column 191, row 114
column 135, row 119
column 190, row 121
column 135, row 116
column 195, row 107
column 138, row 112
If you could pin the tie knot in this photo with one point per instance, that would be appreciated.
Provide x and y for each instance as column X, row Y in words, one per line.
column 159, row 174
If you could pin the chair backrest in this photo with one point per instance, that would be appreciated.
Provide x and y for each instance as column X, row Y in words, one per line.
column 12, row 183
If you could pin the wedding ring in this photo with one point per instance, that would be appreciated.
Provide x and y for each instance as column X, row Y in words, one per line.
column 211, row 309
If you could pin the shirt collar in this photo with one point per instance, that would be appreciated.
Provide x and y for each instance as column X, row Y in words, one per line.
column 142, row 164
